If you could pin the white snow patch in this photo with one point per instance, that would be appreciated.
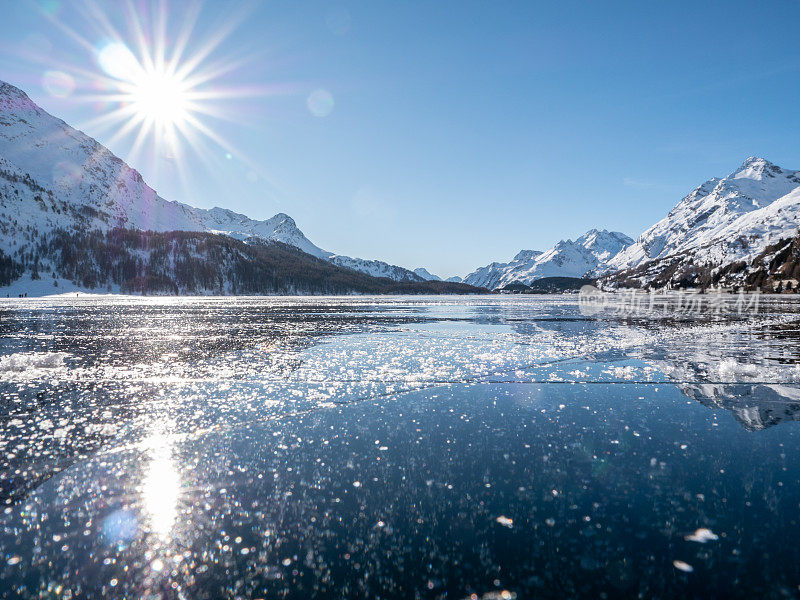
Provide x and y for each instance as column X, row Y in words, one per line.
column 730, row 370
column 27, row 361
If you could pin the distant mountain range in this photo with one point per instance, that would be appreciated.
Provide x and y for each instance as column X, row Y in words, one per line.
column 741, row 230
column 58, row 184
column 589, row 253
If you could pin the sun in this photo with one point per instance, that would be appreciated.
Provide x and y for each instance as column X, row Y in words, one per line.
column 161, row 98
column 154, row 95
column 156, row 88
column 162, row 88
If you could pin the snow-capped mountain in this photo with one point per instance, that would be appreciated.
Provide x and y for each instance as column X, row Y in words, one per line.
column 454, row 279
column 567, row 258
column 53, row 176
column 427, row 275
column 497, row 274
column 723, row 220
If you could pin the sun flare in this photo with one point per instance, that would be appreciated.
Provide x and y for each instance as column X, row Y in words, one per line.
column 161, row 88
column 161, row 98
column 154, row 95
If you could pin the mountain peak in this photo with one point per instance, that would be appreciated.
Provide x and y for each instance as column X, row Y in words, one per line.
column 585, row 255
column 283, row 217
column 602, row 237
column 755, row 167
column 755, row 160
column 14, row 99
column 6, row 89
column 716, row 222
column 527, row 254
column 426, row 275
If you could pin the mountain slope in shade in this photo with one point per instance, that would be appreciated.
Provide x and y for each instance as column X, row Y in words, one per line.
column 567, row 258
column 723, row 220
column 55, row 177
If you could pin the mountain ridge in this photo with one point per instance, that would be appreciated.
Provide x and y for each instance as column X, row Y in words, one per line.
column 56, row 178
column 67, row 179
column 568, row 258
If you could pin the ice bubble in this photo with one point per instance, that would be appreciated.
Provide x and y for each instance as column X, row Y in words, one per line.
column 682, row 566
column 505, row 521
column 702, row 536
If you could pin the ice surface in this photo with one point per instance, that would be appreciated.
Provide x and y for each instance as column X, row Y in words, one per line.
column 395, row 447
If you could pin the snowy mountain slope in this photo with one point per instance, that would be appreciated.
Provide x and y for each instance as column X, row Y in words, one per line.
column 723, row 219
column 752, row 232
column 567, row 258
column 376, row 268
column 774, row 269
column 427, row 275
column 454, row 279
column 490, row 275
column 55, row 177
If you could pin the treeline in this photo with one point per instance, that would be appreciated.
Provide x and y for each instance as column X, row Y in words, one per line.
column 777, row 267
column 549, row 285
column 182, row 262
column 10, row 269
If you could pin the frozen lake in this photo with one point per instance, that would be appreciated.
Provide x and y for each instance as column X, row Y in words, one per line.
column 397, row 447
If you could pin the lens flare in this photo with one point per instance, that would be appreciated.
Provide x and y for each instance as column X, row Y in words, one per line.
column 320, row 103
column 160, row 97
column 58, row 84
column 118, row 61
column 158, row 84
column 154, row 95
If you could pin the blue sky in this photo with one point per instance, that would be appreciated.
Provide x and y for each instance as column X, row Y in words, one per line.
column 460, row 132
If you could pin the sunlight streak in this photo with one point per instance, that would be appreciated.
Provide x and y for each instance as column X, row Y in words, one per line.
column 160, row 488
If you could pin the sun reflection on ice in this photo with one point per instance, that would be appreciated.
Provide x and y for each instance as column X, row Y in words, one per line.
column 160, row 488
